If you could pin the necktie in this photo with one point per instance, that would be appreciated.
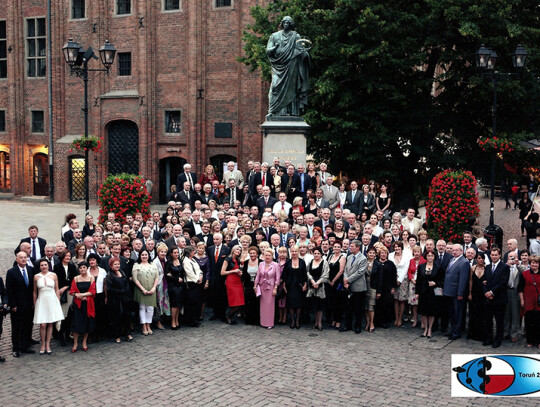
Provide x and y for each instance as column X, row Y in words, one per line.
column 217, row 254
column 275, row 252
column 33, row 249
column 353, row 194
column 263, row 179
column 25, row 276
column 353, row 259
column 266, row 201
column 283, row 239
column 266, row 233
column 440, row 256
column 302, row 179
column 50, row 264
column 282, row 206
column 233, row 196
column 187, row 193
column 188, row 176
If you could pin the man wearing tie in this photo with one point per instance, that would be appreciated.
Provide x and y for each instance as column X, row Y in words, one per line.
column 281, row 205
column 497, row 275
column 49, row 255
column 455, row 283
column 468, row 244
column 305, row 181
column 284, row 234
column 352, row 199
column 324, row 175
column 187, row 176
column 235, row 193
column 186, row 195
column 19, row 287
column 330, row 193
column 217, row 255
column 266, row 201
column 354, row 280
column 36, row 243
column 266, row 228
column 511, row 311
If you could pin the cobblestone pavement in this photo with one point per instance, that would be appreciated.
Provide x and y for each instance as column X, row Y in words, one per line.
column 238, row 365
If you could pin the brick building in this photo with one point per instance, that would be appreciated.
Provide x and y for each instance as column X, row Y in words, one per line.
column 175, row 92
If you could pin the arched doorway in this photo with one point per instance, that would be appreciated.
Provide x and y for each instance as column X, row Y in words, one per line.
column 218, row 162
column 41, row 175
column 169, row 168
column 123, row 147
column 5, row 176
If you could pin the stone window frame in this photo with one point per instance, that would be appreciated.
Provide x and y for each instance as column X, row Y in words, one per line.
column 130, row 64
column 217, row 7
column 165, row 120
column 32, row 122
column 71, row 11
column 176, row 10
column 116, row 14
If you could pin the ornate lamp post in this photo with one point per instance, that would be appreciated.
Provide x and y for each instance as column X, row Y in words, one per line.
column 486, row 60
column 77, row 58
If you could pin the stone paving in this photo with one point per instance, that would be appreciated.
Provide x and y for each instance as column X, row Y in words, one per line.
column 238, row 365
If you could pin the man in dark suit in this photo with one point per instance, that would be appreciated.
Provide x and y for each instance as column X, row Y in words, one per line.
column 512, row 245
column 115, row 252
column 185, row 195
column 19, row 287
column 442, row 259
column 497, row 275
column 234, row 193
column 217, row 255
column 455, row 284
column 352, row 199
column 467, row 242
column 325, row 220
column 266, row 229
column 37, row 243
column 263, row 178
column 247, row 199
column 77, row 238
column 171, row 242
column 186, row 176
column 267, row 200
column 205, row 235
column 195, row 224
column 249, row 174
column 305, row 181
column 319, row 199
column 284, row 234
column 207, row 194
column 290, row 184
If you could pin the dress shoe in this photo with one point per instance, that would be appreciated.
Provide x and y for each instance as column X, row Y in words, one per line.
column 16, row 354
column 357, row 331
column 2, row 359
column 496, row 344
column 343, row 329
column 487, row 342
column 29, row 351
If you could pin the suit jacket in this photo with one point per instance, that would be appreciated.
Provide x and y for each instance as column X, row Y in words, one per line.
column 156, row 235
column 63, row 279
column 417, row 225
column 368, row 206
column 182, row 197
column 271, row 231
column 307, row 183
column 456, row 278
column 443, row 264
column 355, row 273
column 42, row 243
column 247, row 200
column 191, row 226
column 354, row 205
column 261, row 204
column 209, row 240
column 215, row 266
column 268, row 182
column 71, row 245
column 331, row 195
column 319, row 223
column 183, row 178
column 505, row 257
column 3, row 293
column 323, row 204
column 171, row 242
column 294, row 190
column 19, row 295
column 104, row 263
column 473, row 246
column 236, row 175
column 205, row 199
column 376, row 276
column 497, row 282
column 287, row 237
column 239, row 194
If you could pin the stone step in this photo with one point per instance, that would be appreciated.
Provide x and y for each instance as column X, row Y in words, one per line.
column 35, row 198
column 7, row 195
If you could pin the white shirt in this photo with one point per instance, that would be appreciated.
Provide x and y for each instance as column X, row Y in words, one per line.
column 38, row 249
column 277, row 207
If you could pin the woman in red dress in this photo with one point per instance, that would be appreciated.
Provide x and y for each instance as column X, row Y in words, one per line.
column 232, row 269
column 208, row 176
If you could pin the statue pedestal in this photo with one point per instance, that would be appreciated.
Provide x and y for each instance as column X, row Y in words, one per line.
column 285, row 137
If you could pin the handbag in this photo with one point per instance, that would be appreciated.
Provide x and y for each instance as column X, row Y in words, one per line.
column 63, row 297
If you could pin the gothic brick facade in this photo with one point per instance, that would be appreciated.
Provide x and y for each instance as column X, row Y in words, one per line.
column 176, row 94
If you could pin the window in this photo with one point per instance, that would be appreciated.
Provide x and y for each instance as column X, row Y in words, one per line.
column 223, row 130
column 78, row 9
column 223, row 3
column 3, row 50
column 171, row 5
column 35, row 47
column 173, row 121
column 124, row 63
column 2, row 121
column 123, row 7
column 37, row 121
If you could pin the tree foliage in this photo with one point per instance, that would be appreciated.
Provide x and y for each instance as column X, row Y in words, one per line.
column 395, row 93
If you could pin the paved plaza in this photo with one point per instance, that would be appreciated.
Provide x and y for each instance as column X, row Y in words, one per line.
column 219, row 364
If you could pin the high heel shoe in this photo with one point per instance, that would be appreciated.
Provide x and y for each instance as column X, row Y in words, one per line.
column 319, row 328
column 292, row 326
column 85, row 348
column 73, row 350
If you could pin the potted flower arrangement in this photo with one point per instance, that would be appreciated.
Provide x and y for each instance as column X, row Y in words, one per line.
column 495, row 144
column 90, row 143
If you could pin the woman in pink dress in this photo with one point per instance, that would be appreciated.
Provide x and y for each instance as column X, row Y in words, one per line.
column 266, row 283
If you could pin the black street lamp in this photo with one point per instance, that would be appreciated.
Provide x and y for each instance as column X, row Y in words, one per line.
column 486, row 60
column 77, row 59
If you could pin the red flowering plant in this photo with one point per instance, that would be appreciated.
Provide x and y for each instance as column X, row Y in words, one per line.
column 90, row 143
column 495, row 144
column 452, row 201
column 123, row 194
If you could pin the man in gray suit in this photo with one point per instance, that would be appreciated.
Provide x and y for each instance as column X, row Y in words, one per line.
column 231, row 173
column 354, row 279
column 455, row 283
column 330, row 193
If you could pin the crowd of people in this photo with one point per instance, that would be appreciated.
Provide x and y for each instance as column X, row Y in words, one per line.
column 277, row 245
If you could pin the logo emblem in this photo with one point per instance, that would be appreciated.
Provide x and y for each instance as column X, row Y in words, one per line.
column 497, row 375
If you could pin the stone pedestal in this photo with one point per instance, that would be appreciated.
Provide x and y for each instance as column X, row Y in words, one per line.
column 285, row 137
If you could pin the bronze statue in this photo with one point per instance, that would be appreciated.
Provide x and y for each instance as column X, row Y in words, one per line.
column 288, row 54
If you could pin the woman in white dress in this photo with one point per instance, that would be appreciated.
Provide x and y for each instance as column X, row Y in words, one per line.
column 401, row 259
column 46, row 303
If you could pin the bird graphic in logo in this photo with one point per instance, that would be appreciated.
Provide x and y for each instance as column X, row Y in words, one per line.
column 501, row 375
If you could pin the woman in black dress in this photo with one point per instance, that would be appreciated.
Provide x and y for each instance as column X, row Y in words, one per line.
column 429, row 281
column 336, row 295
column 476, row 299
column 249, row 272
column 174, row 273
column 384, row 304
column 83, row 290
column 384, row 200
column 311, row 206
column 203, row 261
column 117, row 291
column 295, row 279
